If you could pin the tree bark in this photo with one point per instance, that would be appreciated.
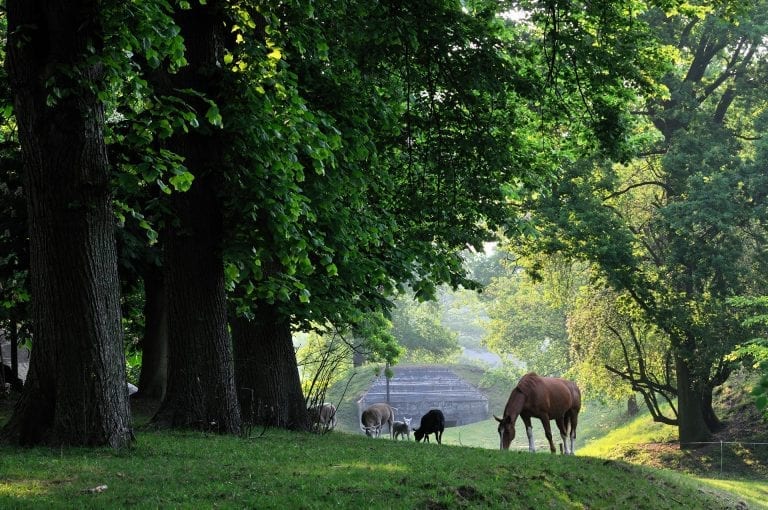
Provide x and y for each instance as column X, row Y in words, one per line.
column 200, row 390
column 268, row 379
column 692, row 427
column 154, row 358
column 75, row 391
column 710, row 417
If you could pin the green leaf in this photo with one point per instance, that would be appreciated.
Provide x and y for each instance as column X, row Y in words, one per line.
column 275, row 54
column 182, row 181
column 214, row 116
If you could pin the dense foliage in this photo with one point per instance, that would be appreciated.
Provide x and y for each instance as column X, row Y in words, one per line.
column 275, row 167
column 676, row 229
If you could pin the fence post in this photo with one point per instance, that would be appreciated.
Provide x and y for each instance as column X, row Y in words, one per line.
column 721, row 458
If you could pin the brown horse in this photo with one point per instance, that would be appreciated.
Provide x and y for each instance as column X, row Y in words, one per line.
column 546, row 398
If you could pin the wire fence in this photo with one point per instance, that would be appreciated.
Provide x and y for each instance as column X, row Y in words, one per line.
column 728, row 458
column 714, row 459
column 711, row 459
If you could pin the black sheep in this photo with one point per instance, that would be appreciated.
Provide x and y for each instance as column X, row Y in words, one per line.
column 431, row 423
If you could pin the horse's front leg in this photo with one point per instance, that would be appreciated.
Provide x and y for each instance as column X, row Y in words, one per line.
column 529, row 432
column 548, row 432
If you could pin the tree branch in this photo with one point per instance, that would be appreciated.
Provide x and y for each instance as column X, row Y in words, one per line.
column 629, row 188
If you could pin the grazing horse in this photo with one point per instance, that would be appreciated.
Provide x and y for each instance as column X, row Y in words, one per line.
column 546, row 398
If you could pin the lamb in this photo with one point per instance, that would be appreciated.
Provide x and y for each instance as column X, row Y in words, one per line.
column 403, row 428
column 431, row 423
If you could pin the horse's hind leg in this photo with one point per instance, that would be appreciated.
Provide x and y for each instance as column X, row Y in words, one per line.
column 562, row 424
column 574, row 420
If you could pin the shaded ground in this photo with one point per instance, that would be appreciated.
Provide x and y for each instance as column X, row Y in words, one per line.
column 739, row 450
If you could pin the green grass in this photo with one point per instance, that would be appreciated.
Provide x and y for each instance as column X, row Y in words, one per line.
column 289, row 470
column 741, row 470
column 279, row 469
column 640, row 430
column 754, row 493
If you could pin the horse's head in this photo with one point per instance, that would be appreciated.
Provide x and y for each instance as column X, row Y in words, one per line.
column 506, row 431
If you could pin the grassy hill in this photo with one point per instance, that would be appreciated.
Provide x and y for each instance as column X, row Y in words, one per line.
column 280, row 470
column 617, row 466
column 606, row 432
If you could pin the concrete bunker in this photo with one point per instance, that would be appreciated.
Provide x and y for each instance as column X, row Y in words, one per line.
column 414, row 390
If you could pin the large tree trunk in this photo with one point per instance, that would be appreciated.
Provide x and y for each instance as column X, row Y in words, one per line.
column 268, row 379
column 154, row 357
column 75, row 391
column 200, row 390
column 710, row 417
column 692, row 427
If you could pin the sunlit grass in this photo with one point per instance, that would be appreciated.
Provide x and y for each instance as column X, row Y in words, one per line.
column 24, row 488
column 289, row 470
column 754, row 493
column 640, row 430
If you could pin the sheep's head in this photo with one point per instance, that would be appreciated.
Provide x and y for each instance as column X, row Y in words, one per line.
column 372, row 431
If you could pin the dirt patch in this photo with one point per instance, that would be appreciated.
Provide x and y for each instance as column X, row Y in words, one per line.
column 469, row 494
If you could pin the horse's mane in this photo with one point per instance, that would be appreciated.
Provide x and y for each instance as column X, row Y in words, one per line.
column 527, row 383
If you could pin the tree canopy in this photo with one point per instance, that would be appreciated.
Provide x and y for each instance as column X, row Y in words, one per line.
column 677, row 228
column 253, row 169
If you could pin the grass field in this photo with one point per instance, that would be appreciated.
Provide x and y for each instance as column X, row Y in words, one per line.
column 619, row 464
column 285, row 470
